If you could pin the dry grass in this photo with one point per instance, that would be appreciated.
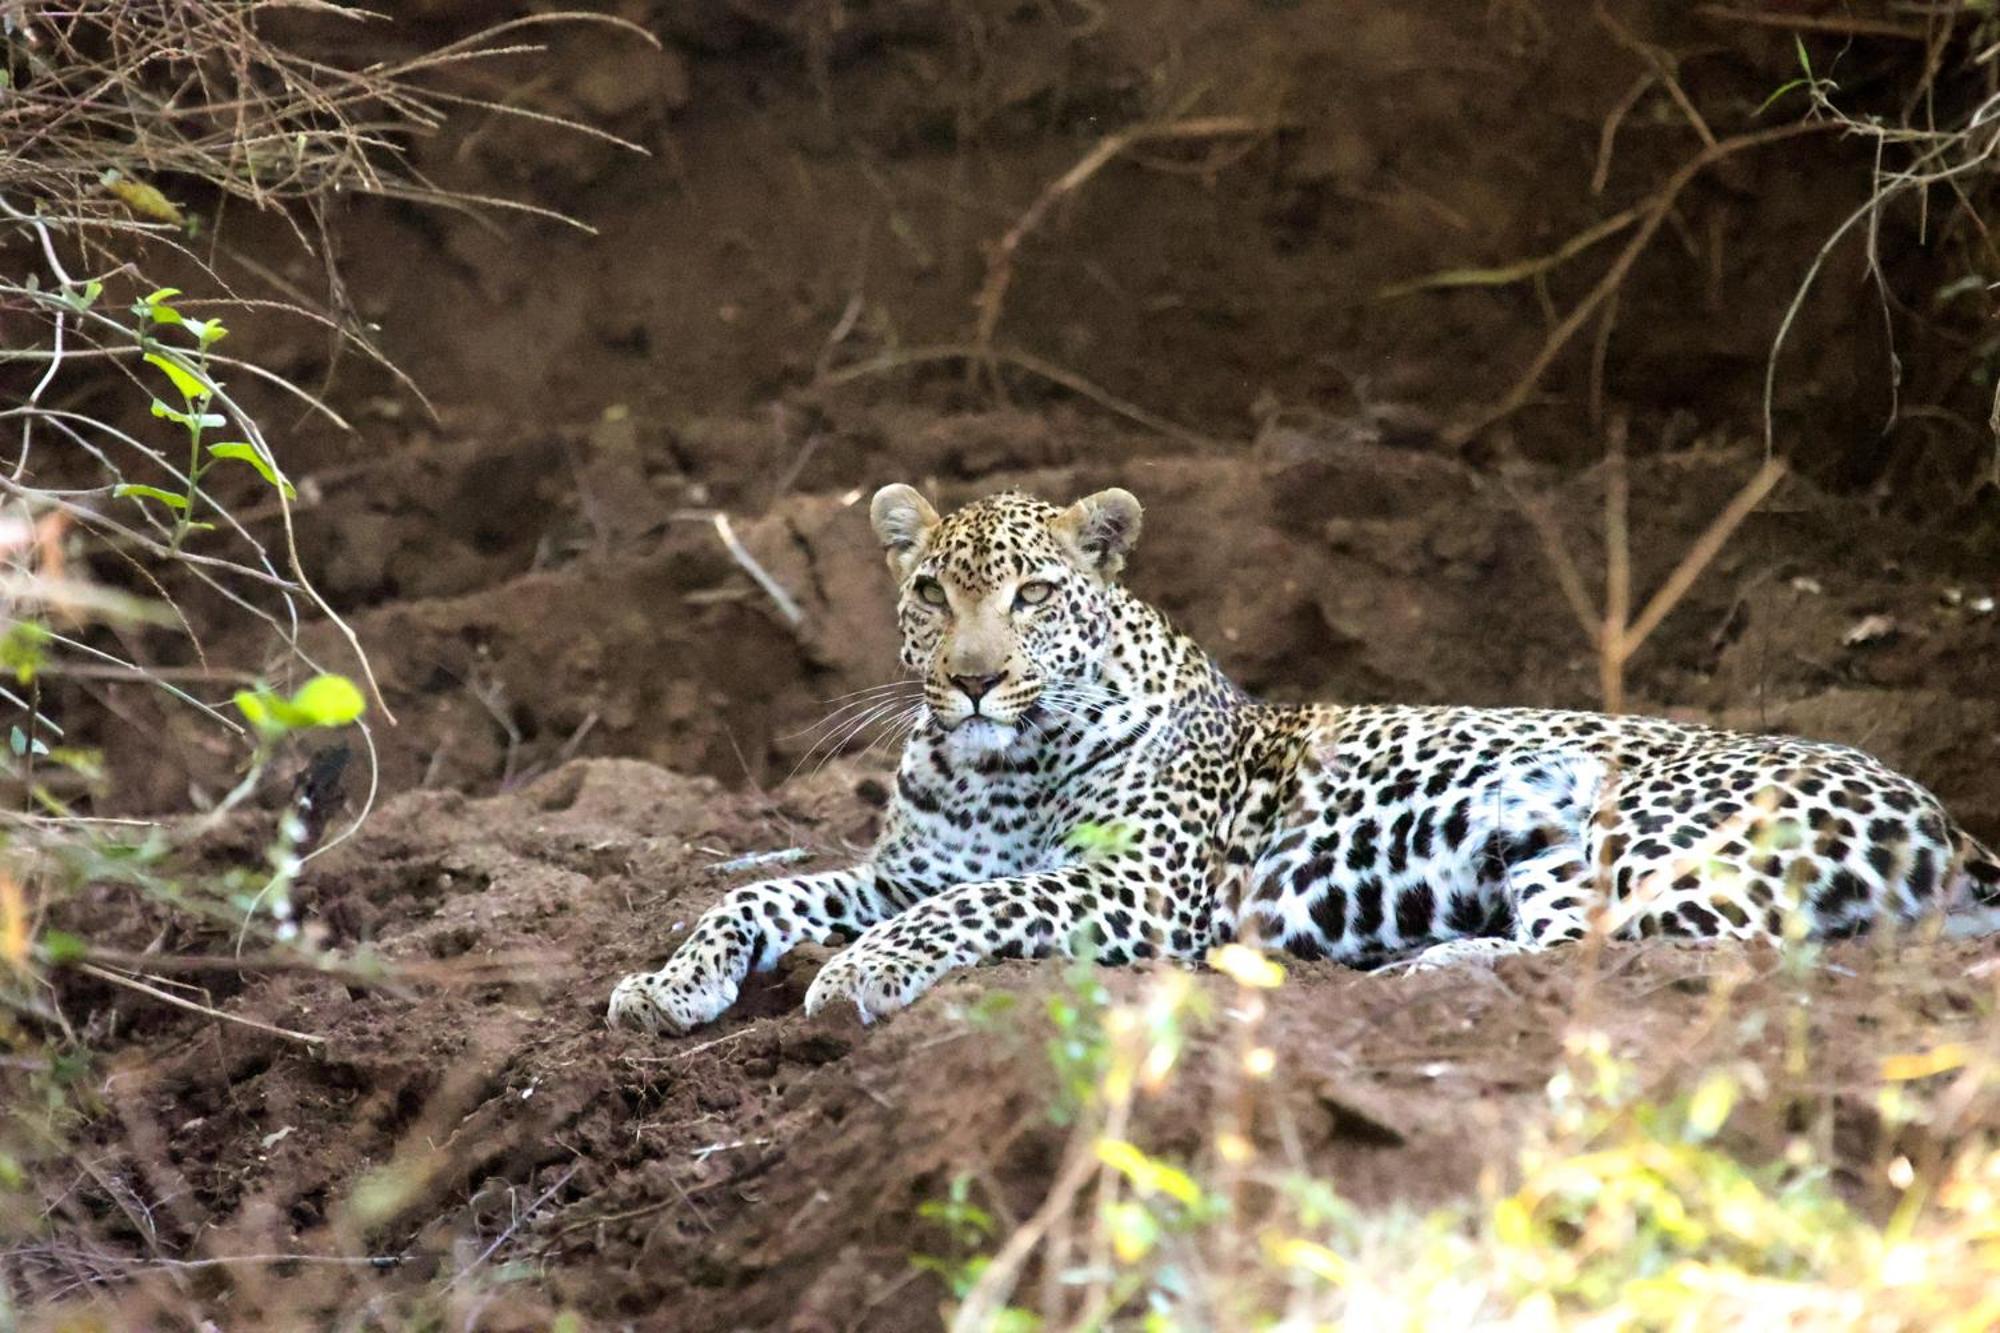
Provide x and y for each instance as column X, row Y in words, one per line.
column 129, row 130
column 1626, row 1207
column 114, row 103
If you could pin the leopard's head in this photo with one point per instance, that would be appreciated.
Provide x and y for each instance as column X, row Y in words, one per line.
column 1004, row 601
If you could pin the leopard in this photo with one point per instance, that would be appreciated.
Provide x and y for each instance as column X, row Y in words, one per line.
column 1080, row 776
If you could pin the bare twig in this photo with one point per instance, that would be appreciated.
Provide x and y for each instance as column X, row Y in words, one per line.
column 133, row 983
column 1662, row 65
column 1654, row 213
column 472, row 970
column 1607, row 136
column 759, row 860
column 997, row 1279
column 1834, row 23
column 1000, row 257
column 1034, row 365
column 1569, row 581
column 787, row 607
column 1506, row 275
column 1704, row 550
column 1617, row 573
column 515, row 1225
column 1616, row 637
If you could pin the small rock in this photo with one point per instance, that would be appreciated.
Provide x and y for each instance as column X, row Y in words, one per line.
column 1870, row 629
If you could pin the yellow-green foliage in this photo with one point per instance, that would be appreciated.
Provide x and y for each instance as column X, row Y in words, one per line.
column 1624, row 1209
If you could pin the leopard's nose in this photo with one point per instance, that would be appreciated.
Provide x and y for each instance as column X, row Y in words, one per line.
column 975, row 687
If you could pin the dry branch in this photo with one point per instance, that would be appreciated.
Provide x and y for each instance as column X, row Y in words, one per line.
column 1000, row 257
column 1612, row 632
column 180, row 1002
column 1841, row 25
column 1704, row 550
column 1506, row 275
column 1662, row 66
column 1034, row 365
column 787, row 606
column 1653, row 213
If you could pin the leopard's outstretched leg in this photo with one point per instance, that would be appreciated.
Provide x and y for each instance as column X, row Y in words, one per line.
column 1025, row 916
column 749, row 931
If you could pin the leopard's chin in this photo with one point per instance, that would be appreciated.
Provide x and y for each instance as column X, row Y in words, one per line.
column 979, row 734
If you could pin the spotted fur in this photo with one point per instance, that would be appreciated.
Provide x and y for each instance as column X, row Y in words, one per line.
column 1081, row 771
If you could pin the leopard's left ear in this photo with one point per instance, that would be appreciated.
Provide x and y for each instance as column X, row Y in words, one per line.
column 903, row 519
column 1101, row 530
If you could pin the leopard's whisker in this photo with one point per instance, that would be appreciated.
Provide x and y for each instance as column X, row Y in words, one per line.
column 1063, row 710
column 830, row 745
column 902, row 690
column 890, row 723
column 902, row 683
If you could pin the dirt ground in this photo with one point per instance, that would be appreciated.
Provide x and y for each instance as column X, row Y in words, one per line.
column 596, row 705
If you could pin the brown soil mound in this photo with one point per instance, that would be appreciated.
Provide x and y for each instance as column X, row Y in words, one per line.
column 768, row 1172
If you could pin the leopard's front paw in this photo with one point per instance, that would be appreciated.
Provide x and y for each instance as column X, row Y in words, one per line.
column 1481, row 951
column 875, row 981
column 673, row 999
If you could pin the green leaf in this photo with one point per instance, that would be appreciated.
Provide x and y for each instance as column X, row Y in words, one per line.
column 323, row 701
column 17, row 740
column 23, row 648
column 167, row 498
column 256, row 707
column 174, row 414
column 328, row 701
column 191, row 386
column 1781, row 90
column 153, row 305
column 61, row 947
column 239, row 450
column 85, row 763
column 205, row 420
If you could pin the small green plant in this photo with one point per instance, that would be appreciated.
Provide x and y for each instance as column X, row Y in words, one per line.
column 968, row 1229
column 188, row 370
column 1097, row 841
column 1078, row 1046
column 1626, row 1207
column 1818, row 90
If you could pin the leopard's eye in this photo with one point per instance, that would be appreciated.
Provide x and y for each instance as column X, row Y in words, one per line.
column 1034, row 594
column 931, row 591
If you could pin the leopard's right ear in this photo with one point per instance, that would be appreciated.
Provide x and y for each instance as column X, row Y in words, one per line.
column 903, row 519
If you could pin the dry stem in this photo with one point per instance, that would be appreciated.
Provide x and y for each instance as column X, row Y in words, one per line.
column 1653, row 213
column 1613, row 632
column 1000, row 257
